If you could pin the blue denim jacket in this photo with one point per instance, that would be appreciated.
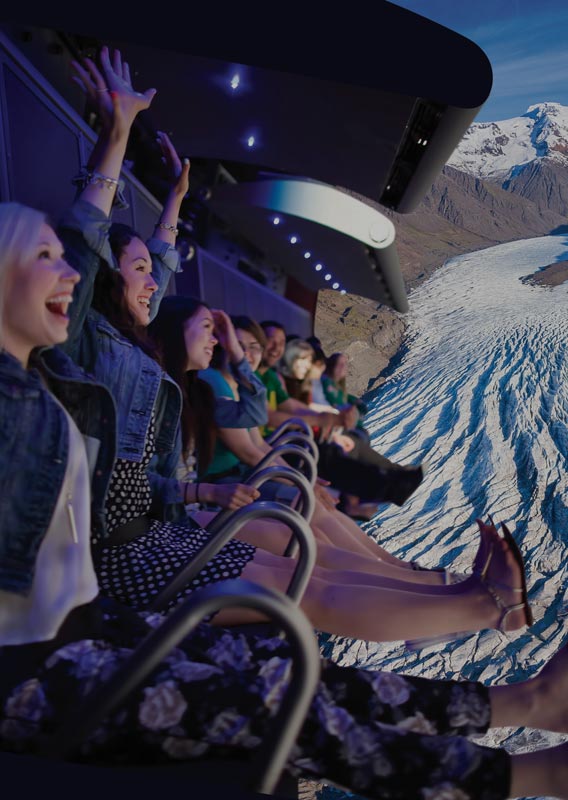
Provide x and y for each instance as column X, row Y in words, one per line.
column 34, row 450
column 137, row 382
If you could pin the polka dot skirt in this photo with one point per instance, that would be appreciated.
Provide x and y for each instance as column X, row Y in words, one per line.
column 134, row 571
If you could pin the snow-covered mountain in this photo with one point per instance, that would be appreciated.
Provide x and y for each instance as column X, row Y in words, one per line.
column 496, row 150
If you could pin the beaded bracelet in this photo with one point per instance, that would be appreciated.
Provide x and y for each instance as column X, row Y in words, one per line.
column 97, row 178
column 86, row 177
column 164, row 226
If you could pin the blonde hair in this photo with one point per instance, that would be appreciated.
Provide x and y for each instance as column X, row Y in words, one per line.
column 19, row 230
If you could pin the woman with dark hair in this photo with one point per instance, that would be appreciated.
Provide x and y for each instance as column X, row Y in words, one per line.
column 380, row 734
column 135, row 551
column 346, row 458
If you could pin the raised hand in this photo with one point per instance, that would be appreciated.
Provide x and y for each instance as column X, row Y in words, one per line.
column 178, row 171
column 225, row 333
column 111, row 90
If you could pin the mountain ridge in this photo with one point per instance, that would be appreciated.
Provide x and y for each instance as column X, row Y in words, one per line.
column 464, row 211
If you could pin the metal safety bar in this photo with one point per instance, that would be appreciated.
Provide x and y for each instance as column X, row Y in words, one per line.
column 297, row 524
column 268, row 762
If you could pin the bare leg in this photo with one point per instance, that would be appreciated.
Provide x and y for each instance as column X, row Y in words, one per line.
column 544, row 772
column 273, row 537
column 345, row 533
column 534, row 703
column 537, row 703
column 345, row 604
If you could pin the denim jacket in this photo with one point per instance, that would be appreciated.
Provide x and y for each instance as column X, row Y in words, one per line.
column 137, row 382
column 34, row 450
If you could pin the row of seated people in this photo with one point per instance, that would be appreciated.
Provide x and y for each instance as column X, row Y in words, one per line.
column 317, row 387
column 98, row 410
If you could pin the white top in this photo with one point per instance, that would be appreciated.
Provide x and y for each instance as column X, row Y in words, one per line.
column 64, row 576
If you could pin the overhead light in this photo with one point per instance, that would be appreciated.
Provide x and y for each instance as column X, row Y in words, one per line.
column 250, row 141
column 318, row 267
column 307, row 254
column 293, row 239
column 335, row 286
column 235, row 81
column 343, row 291
column 327, row 277
column 276, row 221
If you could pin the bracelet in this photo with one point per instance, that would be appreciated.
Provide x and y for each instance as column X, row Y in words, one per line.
column 86, row 176
column 165, row 227
column 97, row 178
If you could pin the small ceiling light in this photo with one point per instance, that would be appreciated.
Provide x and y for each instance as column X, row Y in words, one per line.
column 327, row 277
column 293, row 239
column 307, row 254
column 335, row 286
column 343, row 291
column 419, row 141
column 235, row 81
column 276, row 220
column 250, row 141
column 318, row 267
column 425, row 142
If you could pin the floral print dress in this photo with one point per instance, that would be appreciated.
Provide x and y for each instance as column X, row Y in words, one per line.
column 380, row 734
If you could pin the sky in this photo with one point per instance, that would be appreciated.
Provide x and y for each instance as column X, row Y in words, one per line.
column 526, row 42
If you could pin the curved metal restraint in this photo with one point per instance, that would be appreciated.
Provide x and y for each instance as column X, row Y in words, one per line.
column 270, row 758
column 290, row 424
column 299, row 438
column 308, row 463
column 298, row 525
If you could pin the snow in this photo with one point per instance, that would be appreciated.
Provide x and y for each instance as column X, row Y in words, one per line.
column 481, row 391
column 495, row 149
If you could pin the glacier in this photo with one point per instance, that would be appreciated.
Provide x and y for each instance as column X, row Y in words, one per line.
column 480, row 391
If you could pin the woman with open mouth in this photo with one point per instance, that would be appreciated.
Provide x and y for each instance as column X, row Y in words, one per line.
column 380, row 734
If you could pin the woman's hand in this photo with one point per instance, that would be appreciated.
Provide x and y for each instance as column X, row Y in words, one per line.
column 178, row 171
column 229, row 495
column 225, row 333
column 111, row 91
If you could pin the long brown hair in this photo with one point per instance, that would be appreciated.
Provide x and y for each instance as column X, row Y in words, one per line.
column 198, row 427
column 109, row 297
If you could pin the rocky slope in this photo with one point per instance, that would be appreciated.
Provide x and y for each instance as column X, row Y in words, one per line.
column 460, row 214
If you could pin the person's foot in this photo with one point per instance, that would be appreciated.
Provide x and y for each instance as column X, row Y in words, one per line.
column 502, row 576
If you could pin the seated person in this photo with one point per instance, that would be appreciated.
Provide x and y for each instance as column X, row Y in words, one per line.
column 215, row 693
column 361, row 472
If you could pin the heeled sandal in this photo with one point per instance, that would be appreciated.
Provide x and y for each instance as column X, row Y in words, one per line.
column 492, row 588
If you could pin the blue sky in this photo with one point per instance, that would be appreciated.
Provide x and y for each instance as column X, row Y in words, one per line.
column 525, row 40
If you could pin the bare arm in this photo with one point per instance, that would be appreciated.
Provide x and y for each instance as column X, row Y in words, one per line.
column 178, row 171
column 118, row 105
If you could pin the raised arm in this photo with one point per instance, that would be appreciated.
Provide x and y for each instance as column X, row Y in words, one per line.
column 250, row 409
column 165, row 259
column 84, row 228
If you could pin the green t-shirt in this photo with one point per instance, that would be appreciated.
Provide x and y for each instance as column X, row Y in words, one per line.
column 275, row 394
